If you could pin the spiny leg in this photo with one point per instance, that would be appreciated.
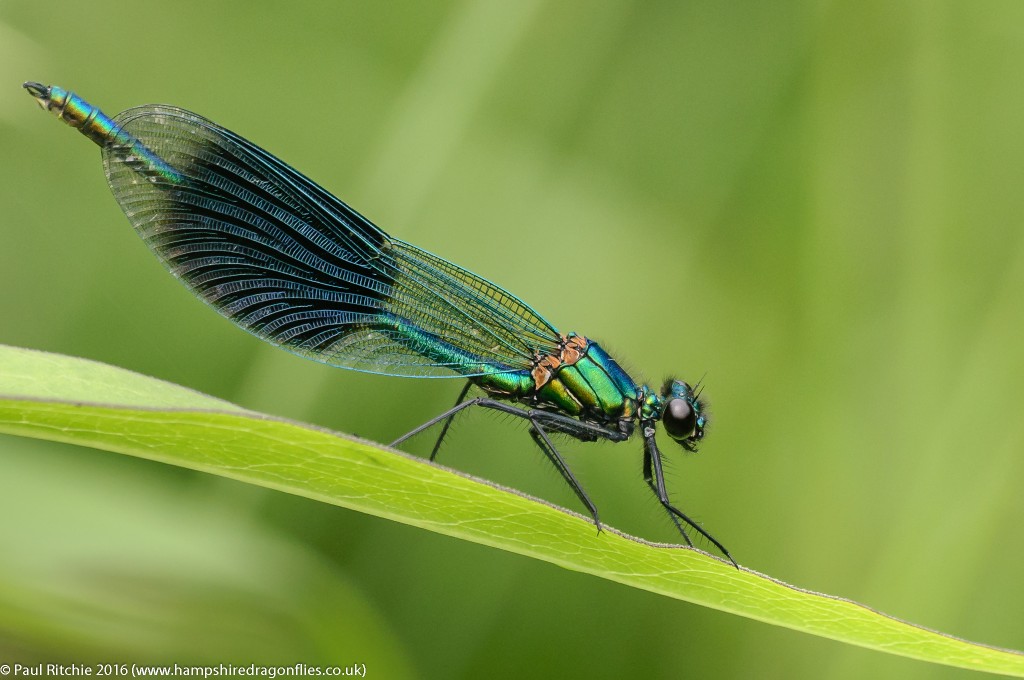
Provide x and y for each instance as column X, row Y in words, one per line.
column 544, row 442
column 563, row 424
column 436, row 419
column 653, row 456
column 648, row 477
column 560, row 423
column 448, row 422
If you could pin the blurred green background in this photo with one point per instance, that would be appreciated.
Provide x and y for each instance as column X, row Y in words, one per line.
column 817, row 204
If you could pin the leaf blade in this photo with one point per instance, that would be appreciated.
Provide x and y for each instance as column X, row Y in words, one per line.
column 43, row 398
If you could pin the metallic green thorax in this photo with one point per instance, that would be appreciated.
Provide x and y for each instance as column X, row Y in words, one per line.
column 582, row 381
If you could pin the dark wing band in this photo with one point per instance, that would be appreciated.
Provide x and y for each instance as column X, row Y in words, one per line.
column 287, row 261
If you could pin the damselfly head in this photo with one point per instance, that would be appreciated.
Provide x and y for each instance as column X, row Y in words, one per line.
column 684, row 415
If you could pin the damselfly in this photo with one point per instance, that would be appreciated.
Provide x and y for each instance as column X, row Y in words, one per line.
column 287, row 261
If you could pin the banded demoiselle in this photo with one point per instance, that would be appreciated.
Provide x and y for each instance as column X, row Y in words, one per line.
column 287, row 261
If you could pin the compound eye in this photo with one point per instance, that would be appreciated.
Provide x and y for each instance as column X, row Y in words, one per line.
column 680, row 419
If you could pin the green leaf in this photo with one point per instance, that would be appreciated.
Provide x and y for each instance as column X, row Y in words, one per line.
column 90, row 404
column 143, row 574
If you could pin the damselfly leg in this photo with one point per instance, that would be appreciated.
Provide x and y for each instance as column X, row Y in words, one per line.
column 654, row 475
column 540, row 422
